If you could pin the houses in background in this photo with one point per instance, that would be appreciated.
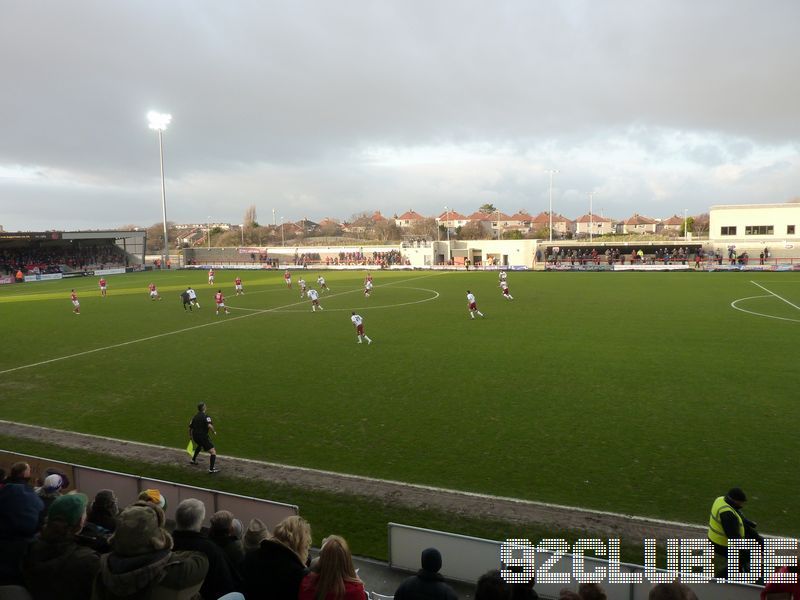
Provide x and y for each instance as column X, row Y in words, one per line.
column 481, row 223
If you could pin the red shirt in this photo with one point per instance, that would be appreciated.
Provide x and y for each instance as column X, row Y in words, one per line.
column 287, row 275
column 775, row 588
column 74, row 296
column 238, row 281
column 211, row 273
column 102, row 283
column 152, row 287
column 353, row 590
column 219, row 298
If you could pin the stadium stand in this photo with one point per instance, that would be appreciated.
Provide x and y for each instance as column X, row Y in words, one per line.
column 78, row 532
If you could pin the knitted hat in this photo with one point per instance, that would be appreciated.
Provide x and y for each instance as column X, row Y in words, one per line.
column 53, row 471
column 155, row 497
column 256, row 531
column 69, row 508
column 52, row 483
column 737, row 494
column 140, row 530
column 431, row 560
column 104, row 500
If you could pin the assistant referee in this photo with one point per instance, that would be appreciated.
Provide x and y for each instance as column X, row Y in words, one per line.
column 199, row 428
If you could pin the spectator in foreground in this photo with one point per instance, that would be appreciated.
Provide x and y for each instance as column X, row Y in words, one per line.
column 55, row 566
column 141, row 560
column 668, row 591
column 275, row 569
column 100, row 522
column 591, row 591
column 189, row 517
column 256, row 532
column 492, row 586
column 49, row 491
column 568, row 594
column 335, row 577
column 226, row 532
column 20, row 509
column 427, row 583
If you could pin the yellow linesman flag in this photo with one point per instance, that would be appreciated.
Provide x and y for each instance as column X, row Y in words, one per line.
column 190, row 448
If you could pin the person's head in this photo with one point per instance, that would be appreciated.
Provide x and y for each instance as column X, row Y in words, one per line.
column 667, row 591
column 256, row 532
column 591, row 591
column 67, row 514
column 140, row 530
column 154, row 497
column 105, row 502
column 189, row 515
column 20, row 470
column 334, row 568
column 221, row 523
column 201, row 407
column 491, row 586
column 431, row 560
column 295, row 533
column 353, row 313
column 737, row 497
column 469, row 292
column 52, row 484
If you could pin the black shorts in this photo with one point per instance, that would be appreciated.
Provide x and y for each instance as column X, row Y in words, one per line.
column 203, row 441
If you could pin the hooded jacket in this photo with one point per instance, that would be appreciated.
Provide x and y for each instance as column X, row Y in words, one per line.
column 56, row 567
column 135, row 577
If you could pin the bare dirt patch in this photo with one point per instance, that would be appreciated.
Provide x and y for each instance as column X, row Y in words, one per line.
column 395, row 493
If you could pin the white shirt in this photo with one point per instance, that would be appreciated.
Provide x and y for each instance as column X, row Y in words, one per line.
column 302, row 283
column 503, row 276
column 470, row 298
column 313, row 294
column 321, row 280
column 357, row 320
column 192, row 294
column 368, row 285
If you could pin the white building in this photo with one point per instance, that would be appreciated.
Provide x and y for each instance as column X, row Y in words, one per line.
column 753, row 226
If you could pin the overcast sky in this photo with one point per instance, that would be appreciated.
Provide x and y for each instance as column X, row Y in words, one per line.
column 330, row 108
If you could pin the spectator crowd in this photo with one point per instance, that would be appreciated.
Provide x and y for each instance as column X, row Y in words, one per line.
column 58, row 544
column 57, row 259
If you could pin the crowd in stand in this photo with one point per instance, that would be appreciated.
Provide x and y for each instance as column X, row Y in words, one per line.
column 379, row 259
column 611, row 256
column 61, row 545
column 53, row 259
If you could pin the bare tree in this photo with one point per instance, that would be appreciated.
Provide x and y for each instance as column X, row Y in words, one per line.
column 700, row 224
column 424, row 228
column 250, row 219
column 471, row 231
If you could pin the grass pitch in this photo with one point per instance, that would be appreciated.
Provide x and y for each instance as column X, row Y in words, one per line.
column 645, row 393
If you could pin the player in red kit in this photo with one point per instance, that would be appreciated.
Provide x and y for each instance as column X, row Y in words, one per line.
column 76, row 306
column 287, row 277
column 220, row 301
column 102, row 284
column 153, row 292
column 238, row 283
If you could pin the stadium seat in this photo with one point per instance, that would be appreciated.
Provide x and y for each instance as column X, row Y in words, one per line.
column 14, row 592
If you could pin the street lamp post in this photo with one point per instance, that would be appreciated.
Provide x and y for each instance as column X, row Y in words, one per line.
column 447, row 225
column 242, row 234
column 159, row 122
column 208, row 232
column 591, row 219
column 283, row 239
column 552, row 172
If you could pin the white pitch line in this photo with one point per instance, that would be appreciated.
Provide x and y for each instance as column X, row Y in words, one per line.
column 776, row 295
column 735, row 304
column 160, row 335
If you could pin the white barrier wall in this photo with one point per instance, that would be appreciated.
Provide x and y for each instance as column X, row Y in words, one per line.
column 466, row 558
column 89, row 481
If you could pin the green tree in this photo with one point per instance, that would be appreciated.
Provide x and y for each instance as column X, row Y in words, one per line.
column 487, row 208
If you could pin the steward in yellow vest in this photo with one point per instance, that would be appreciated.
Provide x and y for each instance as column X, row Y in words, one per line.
column 726, row 523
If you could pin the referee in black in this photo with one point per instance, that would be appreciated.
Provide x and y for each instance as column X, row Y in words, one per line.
column 199, row 428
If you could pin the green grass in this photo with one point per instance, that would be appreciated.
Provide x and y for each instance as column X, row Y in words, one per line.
column 642, row 393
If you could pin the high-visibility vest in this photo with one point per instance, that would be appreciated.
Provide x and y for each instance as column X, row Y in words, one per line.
column 716, row 533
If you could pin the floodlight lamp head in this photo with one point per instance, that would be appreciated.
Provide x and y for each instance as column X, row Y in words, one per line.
column 158, row 121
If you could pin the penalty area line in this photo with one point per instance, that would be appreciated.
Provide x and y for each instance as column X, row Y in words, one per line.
column 776, row 295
